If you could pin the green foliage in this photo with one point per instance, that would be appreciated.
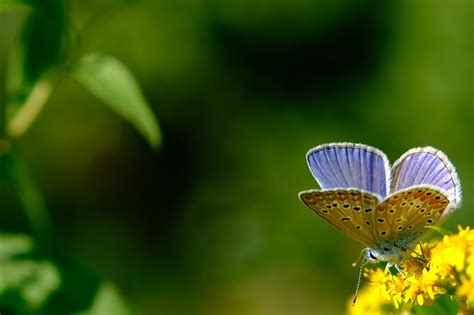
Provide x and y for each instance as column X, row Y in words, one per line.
column 26, row 282
column 31, row 200
column 110, row 81
column 44, row 52
column 12, row 245
column 443, row 305
column 33, row 280
column 83, row 292
column 108, row 301
column 31, row 58
column 33, row 284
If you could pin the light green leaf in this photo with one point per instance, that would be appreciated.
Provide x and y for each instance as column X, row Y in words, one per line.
column 14, row 244
column 108, row 301
column 111, row 81
column 30, row 282
column 25, row 283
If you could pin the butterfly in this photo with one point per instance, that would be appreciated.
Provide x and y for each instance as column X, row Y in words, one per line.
column 387, row 209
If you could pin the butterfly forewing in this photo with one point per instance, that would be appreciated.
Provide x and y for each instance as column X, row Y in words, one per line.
column 349, row 165
column 347, row 210
column 404, row 215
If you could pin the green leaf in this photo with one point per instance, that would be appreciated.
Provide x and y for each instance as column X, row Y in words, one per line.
column 110, row 81
column 108, row 301
column 14, row 244
column 84, row 293
column 39, row 48
column 26, row 282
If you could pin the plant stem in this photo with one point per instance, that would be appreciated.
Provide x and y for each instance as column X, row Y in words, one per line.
column 32, row 201
column 33, row 105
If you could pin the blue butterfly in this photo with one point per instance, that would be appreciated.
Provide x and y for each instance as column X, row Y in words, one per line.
column 387, row 209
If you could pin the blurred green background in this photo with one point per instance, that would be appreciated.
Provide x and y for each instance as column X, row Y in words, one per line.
column 211, row 223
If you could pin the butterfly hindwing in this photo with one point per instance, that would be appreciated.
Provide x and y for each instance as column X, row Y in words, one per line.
column 344, row 209
column 405, row 214
column 427, row 166
column 349, row 165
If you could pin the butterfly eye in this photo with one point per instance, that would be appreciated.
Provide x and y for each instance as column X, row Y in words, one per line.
column 371, row 255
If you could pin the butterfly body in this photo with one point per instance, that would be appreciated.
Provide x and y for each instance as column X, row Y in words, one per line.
column 386, row 209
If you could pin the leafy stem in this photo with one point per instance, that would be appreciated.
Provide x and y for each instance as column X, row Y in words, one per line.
column 32, row 201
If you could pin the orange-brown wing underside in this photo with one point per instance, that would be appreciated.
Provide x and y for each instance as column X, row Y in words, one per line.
column 350, row 211
column 408, row 213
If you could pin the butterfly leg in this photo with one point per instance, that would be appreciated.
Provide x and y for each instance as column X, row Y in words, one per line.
column 387, row 267
column 420, row 257
column 422, row 252
column 400, row 270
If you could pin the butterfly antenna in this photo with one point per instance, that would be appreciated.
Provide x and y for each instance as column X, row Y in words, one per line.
column 364, row 251
column 362, row 265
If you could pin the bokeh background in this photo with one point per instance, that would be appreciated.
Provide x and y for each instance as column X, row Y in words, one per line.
column 211, row 223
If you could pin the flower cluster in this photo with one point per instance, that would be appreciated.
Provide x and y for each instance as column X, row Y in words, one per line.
column 445, row 267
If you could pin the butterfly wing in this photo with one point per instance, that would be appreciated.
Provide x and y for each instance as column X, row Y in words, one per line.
column 344, row 209
column 427, row 166
column 403, row 216
column 349, row 165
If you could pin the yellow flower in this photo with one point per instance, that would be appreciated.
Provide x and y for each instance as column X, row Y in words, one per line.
column 466, row 292
column 421, row 287
column 437, row 268
column 370, row 301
